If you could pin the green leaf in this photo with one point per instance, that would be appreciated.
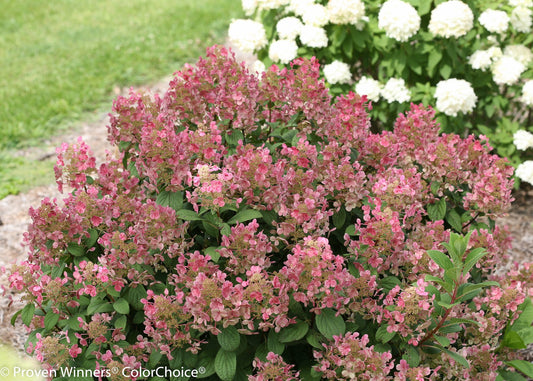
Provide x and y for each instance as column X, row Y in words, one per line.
column 504, row 375
column 98, row 306
column 50, row 320
column 383, row 335
column 511, row 339
column 293, row 332
column 523, row 366
column 273, row 343
column 412, row 356
column 229, row 339
column 121, row 322
column 525, row 320
column 451, row 328
column 457, row 357
column 93, row 237
column 134, row 296
column 225, row 365
column 435, row 55
column 213, row 253
column 208, row 365
column 388, row 283
column 171, row 199
column 350, row 230
column 339, row 218
column 75, row 249
column 443, row 340
column 330, row 325
column 453, row 218
column 122, row 306
column 445, row 71
column 440, row 259
column 472, row 258
column 245, row 215
column 188, row 215
column 315, row 339
column 155, row 356
column 226, row 230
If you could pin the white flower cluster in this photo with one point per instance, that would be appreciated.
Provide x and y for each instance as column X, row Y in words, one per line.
column 507, row 70
column 346, row 11
column 313, row 36
column 315, row 15
column 289, row 28
column 521, row 53
column 271, row 4
column 247, row 35
column 298, row 7
column 451, row 19
column 337, row 72
column 399, row 20
column 258, row 67
column 396, row 91
column 483, row 59
column 370, row 87
column 521, row 3
column 249, row 6
column 521, row 19
column 494, row 21
column 283, row 51
column 455, row 95
column 523, row 140
column 525, row 171
column 527, row 93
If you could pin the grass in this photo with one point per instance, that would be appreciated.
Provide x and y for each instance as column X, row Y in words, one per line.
column 60, row 60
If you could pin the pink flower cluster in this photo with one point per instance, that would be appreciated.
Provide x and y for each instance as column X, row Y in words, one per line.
column 151, row 256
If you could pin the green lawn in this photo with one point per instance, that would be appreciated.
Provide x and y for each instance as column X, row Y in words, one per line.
column 61, row 59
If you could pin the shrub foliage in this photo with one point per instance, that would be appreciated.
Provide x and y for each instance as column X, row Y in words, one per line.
column 254, row 227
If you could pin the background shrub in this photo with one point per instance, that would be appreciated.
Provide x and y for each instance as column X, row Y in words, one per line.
column 254, row 226
column 472, row 59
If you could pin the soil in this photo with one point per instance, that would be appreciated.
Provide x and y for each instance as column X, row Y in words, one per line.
column 14, row 217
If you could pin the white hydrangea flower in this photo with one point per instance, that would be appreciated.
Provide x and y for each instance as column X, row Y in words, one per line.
column 249, row 7
column 298, row 7
column 258, row 67
column 247, row 35
column 527, row 93
column 451, row 19
column 346, row 11
column 523, row 140
column 521, row 53
column 337, row 72
column 289, row 28
column 521, row 19
column 495, row 52
column 396, row 91
column 315, row 15
column 370, row 87
column 521, row 3
column 283, row 51
column 525, row 171
column 399, row 20
column 481, row 59
column 455, row 95
column 313, row 36
column 507, row 70
column 271, row 4
column 494, row 21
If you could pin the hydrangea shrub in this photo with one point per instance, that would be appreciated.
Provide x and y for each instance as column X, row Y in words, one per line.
column 255, row 227
column 472, row 59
